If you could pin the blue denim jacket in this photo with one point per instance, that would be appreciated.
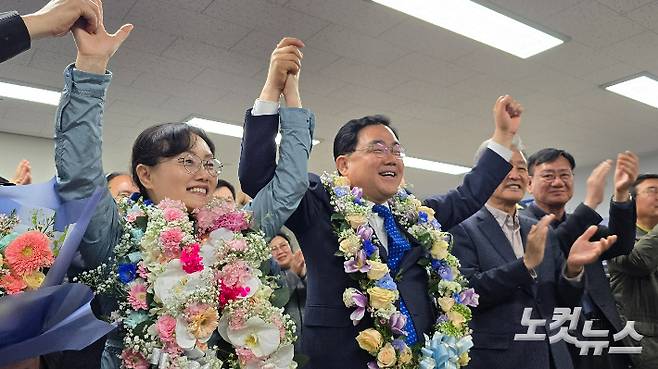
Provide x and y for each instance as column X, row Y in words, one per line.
column 78, row 141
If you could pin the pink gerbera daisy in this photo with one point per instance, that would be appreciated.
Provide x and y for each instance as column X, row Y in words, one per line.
column 28, row 253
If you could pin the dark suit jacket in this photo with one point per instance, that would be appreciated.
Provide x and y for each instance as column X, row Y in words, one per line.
column 597, row 285
column 506, row 288
column 329, row 335
column 14, row 37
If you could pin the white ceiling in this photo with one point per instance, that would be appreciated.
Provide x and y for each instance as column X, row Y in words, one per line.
column 209, row 57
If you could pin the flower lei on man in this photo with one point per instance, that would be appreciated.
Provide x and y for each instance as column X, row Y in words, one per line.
column 377, row 294
column 179, row 278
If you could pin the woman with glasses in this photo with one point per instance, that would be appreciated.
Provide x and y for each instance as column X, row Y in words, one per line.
column 170, row 160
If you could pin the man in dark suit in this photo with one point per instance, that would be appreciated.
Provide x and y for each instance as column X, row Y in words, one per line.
column 368, row 153
column 512, row 263
column 55, row 19
column 551, row 183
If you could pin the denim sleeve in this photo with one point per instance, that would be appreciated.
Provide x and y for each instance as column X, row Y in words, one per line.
column 275, row 202
column 78, row 159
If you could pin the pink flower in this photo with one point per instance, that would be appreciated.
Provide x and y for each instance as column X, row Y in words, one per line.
column 141, row 270
column 237, row 245
column 170, row 240
column 245, row 355
column 28, row 253
column 235, row 221
column 190, row 259
column 237, row 319
column 173, row 214
column 171, row 204
column 12, row 284
column 166, row 328
column 237, row 273
column 134, row 359
column 137, row 296
column 207, row 215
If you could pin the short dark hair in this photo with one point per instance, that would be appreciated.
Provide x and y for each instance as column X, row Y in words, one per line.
column 111, row 176
column 549, row 155
column 348, row 135
column 227, row 184
column 641, row 178
column 284, row 236
column 163, row 141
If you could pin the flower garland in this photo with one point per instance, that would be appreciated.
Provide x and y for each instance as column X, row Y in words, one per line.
column 377, row 293
column 179, row 278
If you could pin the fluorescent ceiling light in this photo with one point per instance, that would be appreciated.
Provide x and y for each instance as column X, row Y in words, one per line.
column 435, row 166
column 643, row 88
column 225, row 129
column 39, row 95
column 479, row 23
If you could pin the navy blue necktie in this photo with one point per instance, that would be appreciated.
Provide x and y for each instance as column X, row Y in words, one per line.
column 397, row 245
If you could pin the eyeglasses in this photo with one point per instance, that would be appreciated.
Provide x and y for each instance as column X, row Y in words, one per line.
column 380, row 150
column 650, row 191
column 275, row 247
column 193, row 163
column 565, row 177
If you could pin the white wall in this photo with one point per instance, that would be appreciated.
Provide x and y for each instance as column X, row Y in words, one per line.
column 39, row 151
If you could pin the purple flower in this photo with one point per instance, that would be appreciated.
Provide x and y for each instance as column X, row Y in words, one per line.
column 397, row 322
column 435, row 223
column 442, row 318
column 373, row 365
column 361, row 301
column 341, row 191
column 470, row 298
column 357, row 264
column 403, row 193
column 365, row 232
column 387, row 282
column 369, row 248
column 398, row 344
column 357, row 192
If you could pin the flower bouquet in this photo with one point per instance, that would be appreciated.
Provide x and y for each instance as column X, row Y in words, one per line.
column 190, row 291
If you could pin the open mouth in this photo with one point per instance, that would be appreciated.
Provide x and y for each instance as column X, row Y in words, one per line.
column 388, row 174
column 513, row 186
column 198, row 190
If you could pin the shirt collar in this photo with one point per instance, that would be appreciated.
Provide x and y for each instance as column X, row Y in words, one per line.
column 502, row 217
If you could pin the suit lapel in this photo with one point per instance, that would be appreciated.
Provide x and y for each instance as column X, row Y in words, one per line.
column 491, row 229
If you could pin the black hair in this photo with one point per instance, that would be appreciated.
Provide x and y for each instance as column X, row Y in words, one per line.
column 549, row 155
column 227, row 184
column 283, row 235
column 163, row 141
column 348, row 135
column 641, row 178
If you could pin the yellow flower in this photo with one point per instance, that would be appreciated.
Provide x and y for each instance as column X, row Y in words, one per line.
column 370, row 340
column 416, row 203
column 464, row 359
column 456, row 318
column 356, row 220
column 446, row 303
column 34, row 279
column 350, row 246
column 2, row 260
column 341, row 181
column 405, row 355
column 439, row 249
column 377, row 270
column 386, row 356
column 381, row 297
column 202, row 324
column 427, row 210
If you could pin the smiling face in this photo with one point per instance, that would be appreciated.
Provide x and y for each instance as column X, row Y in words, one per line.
column 646, row 201
column 552, row 183
column 512, row 189
column 181, row 177
column 372, row 166
column 281, row 251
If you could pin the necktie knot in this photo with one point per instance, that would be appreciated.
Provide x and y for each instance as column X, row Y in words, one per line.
column 383, row 211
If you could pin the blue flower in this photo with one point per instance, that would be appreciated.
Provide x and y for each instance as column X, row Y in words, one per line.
column 341, row 191
column 127, row 272
column 135, row 318
column 387, row 282
column 137, row 234
column 443, row 269
column 6, row 240
column 435, row 223
column 369, row 248
column 402, row 193
column 457, row 297
column 422, row 217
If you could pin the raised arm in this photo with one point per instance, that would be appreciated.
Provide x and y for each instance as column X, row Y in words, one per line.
column 492, row 167
column 78, row 132
column 642, row 260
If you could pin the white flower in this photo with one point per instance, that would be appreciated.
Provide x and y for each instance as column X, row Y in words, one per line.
column 183, row 337
column 174, row 282
column 260, row 337
column 281, row 359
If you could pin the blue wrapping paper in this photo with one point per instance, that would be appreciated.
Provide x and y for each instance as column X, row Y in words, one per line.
column 55, row 317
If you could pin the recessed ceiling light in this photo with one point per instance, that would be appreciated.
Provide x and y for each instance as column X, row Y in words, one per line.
column 435, row 166
column 479, row 23
column 33, row 94
column 225, row 129
column 642, row 88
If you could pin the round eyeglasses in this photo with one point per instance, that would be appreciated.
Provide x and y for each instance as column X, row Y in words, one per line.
column 193, row 163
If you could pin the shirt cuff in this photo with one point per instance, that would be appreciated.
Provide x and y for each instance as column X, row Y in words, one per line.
column 501, row 150
column 262, row 107
column 576, row 281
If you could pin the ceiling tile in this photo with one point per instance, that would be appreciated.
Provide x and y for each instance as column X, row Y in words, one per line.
column 363, row 74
